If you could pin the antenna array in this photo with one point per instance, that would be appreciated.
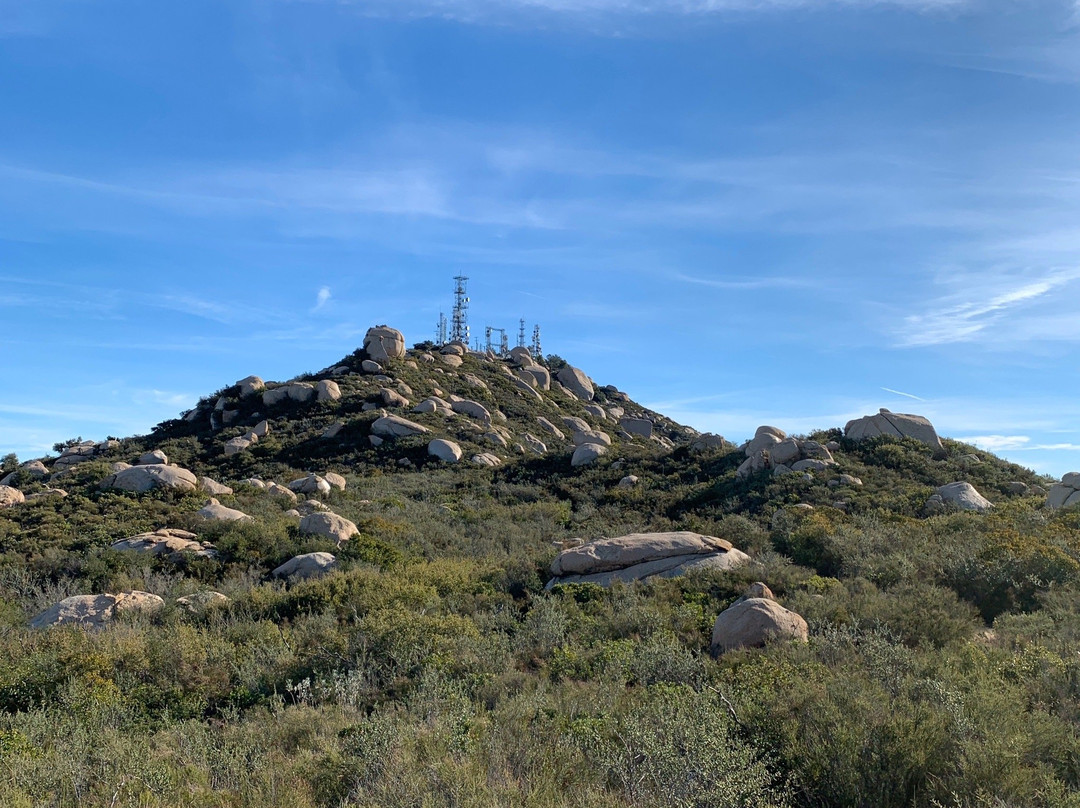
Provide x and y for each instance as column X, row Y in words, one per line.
column 460, row 327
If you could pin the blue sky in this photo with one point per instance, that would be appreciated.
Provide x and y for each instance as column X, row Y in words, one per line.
column 738, row 211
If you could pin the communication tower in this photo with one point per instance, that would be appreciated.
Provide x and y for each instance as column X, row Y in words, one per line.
column 440, row 332
column 537, row 352
column 521, row 333
column 460, row 325
column 504, row 341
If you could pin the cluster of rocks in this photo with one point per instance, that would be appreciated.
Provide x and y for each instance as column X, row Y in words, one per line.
column 771, row 448
column 96, row 611
column 168, row 542
column 639, row 556
column 1066, row 493
column 243, row 442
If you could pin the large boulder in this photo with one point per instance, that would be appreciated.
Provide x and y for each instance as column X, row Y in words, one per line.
column 151, row 458
column 382, row 343
column 541, row 375
column 308, row 565
column 328, row 525
column 472, row 409
column 140, row 479
column 214, row 511
column 550, row 427
column 587, row 453
column 583, row 436
column 392, row 426
column 199, row 602
column 327, row 390
column 250, row 386
column 213, row 487
column 751, row 622
column 900, row 425
column 964, row 496
column 94, row 611
column 641, row 427
column 577, row 383
column 1066, row 493
column 765, row 438
column 638, row 556
column 168, row 542
column 445, row 450
column 10, row 496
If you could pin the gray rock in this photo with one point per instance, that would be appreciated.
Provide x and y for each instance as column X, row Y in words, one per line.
column 383, row 343
column 310, row 484
column 140, row 479
column 94, row 611
column 374, row 367
column 216, row 512
column 473, row 409
column 391, row 426
column 308, row 565
column 584, row 436
column 156, row 457
column 328, row 525
column 168, row 542
column 587, row 453
column 629, row 481
column 487, row 459
column 10, row 496
column 895, row 424
column 809, row 465
column 753, row 622
column 445, row 450
column 577, row 383
column 534, row 444
column 199, row 602
column 964, row 496
column 250, row 386
column 550, row 427
column 335, row 480
column 642, row 427
column 213, row 487
column 327, row 390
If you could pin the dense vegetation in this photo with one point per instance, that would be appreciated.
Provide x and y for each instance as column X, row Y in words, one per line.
column 433, row 669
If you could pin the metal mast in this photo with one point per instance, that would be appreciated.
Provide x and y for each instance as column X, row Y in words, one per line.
column 537, row 352
column 504, row 340
column 440, row 332
column 521, row 333
column 460, row 327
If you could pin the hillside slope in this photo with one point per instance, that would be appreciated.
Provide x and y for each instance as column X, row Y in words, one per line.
column 429, row 665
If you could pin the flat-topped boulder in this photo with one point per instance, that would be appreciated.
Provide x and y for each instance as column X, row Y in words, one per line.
column 140, row 479
column 638, row 556
column 896, row 424
column 583, row 436
column 753, row 622
column 308, row 565
column 213, row 487
column 642, row 427
column 216, row 512
column 166, row 542
column 329, row 525
column 383, row 343
column 94, row 611
column 393, row 426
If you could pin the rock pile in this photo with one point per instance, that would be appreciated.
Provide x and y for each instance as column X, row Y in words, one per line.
column 140, row 479
column 168, row 542
column 94, row 611
column 308, row 565
column 1066, row 493
column 639, row 556
column 771, row 448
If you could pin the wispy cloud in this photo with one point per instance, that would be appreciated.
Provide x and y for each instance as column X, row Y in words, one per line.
column 971, row 314
column 749, row 284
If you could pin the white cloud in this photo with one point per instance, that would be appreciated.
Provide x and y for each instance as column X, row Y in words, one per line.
column 322, row 298
column 998, row 443
column 900, row 393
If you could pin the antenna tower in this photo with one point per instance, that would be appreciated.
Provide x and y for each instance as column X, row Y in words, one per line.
column 537, row 352
column 460, row 328
column 440, row 333
column 521, row 333
column 504, row 340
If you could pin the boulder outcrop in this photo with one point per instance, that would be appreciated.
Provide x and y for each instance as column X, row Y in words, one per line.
column 391, row 426
column 577, row 383
column 1066, row 493
column 383, row 343
column 897, row 424
column 214, row 511
column 961, row 494
column 587, row 453
column 166, row 542
column 94, row 611
column 638, row 556
column 140, row 479
column 10, row 496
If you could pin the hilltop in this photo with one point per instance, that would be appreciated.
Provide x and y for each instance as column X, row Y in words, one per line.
column 368, row 586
